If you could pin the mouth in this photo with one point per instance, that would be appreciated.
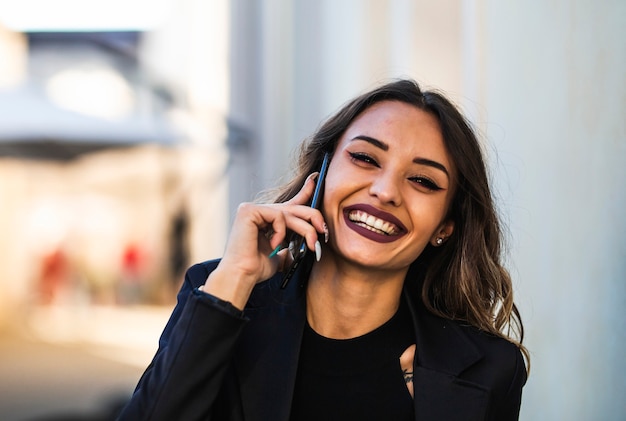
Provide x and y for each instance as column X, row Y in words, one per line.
column 370, row 222
column 374, row 224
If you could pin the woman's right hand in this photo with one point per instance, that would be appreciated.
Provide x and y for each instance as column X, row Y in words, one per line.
column 257, row 230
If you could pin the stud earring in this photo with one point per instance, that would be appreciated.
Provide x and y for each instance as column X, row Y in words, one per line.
column 439, row 241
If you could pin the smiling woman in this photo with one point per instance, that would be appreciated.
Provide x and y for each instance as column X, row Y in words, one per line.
column 404, row 312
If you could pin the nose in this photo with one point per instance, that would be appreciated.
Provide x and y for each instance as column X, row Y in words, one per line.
column 386, row 187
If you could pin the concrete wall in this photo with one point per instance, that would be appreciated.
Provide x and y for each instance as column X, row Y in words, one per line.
column 554, row 95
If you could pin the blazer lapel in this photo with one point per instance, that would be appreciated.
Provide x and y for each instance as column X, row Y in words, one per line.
column 443, row 352
column 444, row 397
column 267, row 361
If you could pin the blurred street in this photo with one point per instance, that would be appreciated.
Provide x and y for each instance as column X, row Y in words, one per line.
column 76, row 364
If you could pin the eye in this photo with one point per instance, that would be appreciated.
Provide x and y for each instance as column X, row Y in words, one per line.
column 364, row 158
column 426, row 182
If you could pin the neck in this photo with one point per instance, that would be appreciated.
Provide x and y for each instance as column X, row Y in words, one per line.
column 344, row 303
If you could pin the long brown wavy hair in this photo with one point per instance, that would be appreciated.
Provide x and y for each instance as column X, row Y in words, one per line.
column 464, row 279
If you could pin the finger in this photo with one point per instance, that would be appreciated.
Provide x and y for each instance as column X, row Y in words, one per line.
column 272, row 224
column 305, row 193
column 310, row 215
column 283, row 259
column 275, row 230
column 307, row 228
column 259, row 226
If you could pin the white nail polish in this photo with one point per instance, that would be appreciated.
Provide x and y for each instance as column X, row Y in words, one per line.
column 318, row 251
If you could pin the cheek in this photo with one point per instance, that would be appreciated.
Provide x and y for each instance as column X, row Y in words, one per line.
column 334, row 185
column 427, row 216
column 338, row 188
column 329, row 200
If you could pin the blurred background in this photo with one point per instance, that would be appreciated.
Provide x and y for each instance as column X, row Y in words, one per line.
column 130, row 130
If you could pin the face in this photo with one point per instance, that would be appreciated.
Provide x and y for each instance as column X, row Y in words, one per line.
column 388, row 188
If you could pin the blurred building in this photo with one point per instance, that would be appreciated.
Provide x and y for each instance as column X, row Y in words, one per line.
column 106, row 171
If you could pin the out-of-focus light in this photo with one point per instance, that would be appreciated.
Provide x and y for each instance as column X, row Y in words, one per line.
column 98, row 92
column 83, row 15
column 47, row 223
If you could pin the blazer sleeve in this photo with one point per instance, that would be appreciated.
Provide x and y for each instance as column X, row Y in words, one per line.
column 510, row 406
column 187, row 372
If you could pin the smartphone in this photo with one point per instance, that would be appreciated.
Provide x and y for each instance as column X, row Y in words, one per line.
column 297, row 243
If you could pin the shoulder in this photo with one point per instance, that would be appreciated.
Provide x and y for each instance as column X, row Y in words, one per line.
column 471, row 357
column 462, row 349
column 501, row 367
column 502, row 356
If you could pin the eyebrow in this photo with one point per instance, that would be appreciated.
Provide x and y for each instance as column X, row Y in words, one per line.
column 421, row 161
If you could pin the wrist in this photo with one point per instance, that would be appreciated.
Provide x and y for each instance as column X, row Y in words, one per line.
column 228, row 287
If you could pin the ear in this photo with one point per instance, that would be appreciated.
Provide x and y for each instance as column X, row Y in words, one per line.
column 442, row 233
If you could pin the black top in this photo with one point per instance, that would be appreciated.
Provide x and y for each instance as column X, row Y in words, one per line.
column 355, row 379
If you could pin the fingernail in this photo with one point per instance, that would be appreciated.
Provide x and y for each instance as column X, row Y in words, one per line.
column 326, row 233
column 318, row 251
column 275, row 252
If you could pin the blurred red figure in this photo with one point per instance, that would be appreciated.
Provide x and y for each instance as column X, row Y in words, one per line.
column 53, row 277
column 132, row 264
column 131, row 260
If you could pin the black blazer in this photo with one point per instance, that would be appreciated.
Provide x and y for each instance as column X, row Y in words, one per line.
column 215, row 364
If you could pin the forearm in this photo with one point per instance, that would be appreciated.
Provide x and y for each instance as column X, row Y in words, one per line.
column 186, row 374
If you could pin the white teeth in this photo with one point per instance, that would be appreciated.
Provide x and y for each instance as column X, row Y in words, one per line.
column 372, row 223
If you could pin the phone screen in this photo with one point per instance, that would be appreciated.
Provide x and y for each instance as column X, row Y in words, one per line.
column 297, row 244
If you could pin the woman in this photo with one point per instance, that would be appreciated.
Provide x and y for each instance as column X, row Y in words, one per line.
column 399, row 312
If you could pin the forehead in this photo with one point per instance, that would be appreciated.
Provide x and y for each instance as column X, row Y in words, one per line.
column 401, row 126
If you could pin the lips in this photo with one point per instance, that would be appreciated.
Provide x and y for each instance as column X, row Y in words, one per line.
column 373, row 223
